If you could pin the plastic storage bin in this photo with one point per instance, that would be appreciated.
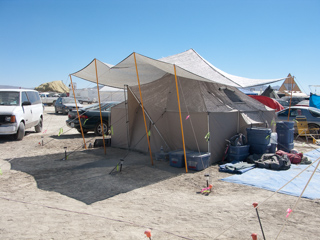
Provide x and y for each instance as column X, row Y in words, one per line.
column 162, row 156
column 285, row 131
column 198, row 161
column 287, row 147
column 176, row 158
column 258, row 135
column 259, row 140
column 239, row 150
column 238, row 153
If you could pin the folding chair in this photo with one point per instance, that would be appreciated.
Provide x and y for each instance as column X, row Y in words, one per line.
column 304, row 130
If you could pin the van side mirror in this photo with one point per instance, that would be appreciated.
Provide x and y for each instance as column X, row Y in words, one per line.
column 26, row 103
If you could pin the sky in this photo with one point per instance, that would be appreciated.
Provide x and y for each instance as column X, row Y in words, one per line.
column 46, row 40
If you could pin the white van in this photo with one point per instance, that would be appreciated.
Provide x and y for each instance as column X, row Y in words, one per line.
column 20, row 109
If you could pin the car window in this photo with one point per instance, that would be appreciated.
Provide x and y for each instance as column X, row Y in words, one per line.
column 68, row 100
column 293, row 113
column 34, row 97
column 315, row 113
column 10, row 98
column 24, row 97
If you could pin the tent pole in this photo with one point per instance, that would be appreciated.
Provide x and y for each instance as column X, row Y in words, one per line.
column 102, row 130
column 144, row 117
column 153, row 124
column 292, row 79
column 75, row 100
column 127, row 120
column 208, row 132
column 184, row 147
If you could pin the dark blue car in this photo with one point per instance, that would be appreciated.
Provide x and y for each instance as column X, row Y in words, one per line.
column 90, row 118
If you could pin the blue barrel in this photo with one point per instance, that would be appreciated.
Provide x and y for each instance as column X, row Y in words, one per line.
column 258, row 139
column 285, row 131
column 287, row 147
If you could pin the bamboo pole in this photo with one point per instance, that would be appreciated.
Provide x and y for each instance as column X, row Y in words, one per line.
column 292, row 79
column 75, row 100
column 102, row 130
column 144, row 117
column 184, row 147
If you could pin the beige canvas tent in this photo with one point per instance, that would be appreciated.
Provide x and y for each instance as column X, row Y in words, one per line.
column 210, row 103
column 206, row 108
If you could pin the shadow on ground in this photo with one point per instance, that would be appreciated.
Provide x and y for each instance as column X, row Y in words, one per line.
column 86, row 177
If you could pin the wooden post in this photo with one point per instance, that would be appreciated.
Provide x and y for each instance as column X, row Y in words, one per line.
column 102, row 130
column 184, row 147
column 144, row 117
column 75, row 100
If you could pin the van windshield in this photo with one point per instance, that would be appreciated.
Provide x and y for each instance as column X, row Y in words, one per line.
column 9, row 98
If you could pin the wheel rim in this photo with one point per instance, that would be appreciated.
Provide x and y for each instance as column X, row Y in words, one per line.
column 105, row 129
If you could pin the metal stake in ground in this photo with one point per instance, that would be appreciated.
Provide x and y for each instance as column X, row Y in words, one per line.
column 65, row 154
column 207, row 178
column 121, row 163
column 255, row 205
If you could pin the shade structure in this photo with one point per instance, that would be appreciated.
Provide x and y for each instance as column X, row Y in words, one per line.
column 189, row 64
column 211, row 104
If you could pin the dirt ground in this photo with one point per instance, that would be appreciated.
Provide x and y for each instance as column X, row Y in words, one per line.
column 43, row 196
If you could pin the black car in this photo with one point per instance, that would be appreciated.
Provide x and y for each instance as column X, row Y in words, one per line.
column 65, row 104
column 90, row 118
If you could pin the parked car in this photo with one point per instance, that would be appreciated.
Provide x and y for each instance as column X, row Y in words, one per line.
column 20, row 109
column 294, row 100
column 49, row 98
column 312, row 115
column 303, row 103
column 65, row 104
column 90, row 118
column 283, row 102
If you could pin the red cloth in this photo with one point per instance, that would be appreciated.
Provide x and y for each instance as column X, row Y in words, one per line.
column 294, row 158
column 271, row 103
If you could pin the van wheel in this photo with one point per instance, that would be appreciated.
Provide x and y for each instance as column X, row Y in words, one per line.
column 20, row 133
column 98, row 129
column 38, row 128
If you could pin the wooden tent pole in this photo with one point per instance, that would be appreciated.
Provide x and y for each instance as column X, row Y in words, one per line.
column 184, row 147
column 102, row 130
column 292, row 79
column 75, row 100
column 144, row 117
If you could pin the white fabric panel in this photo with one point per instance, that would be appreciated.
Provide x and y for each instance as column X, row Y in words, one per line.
column 189, row 64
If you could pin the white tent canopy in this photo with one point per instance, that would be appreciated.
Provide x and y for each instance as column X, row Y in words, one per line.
column 189, row 64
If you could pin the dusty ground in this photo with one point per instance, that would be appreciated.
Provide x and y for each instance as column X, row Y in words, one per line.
column 45, row 197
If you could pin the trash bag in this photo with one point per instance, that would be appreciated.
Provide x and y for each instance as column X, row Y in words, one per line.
column 238, row 140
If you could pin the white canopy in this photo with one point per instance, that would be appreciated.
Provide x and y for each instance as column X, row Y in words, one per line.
column 189, row 64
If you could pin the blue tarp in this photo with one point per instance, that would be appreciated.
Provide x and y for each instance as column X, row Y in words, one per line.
column 314, row 101
column 274, row 180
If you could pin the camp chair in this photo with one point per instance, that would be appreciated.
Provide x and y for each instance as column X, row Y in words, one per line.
column 304, row 130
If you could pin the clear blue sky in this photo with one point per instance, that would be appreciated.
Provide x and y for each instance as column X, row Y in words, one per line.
column 46, row 40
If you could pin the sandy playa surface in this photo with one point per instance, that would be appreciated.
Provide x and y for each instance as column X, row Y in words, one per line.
column 45, row 197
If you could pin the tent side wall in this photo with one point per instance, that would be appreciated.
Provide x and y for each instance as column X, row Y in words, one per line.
column 222, row 126
column 118, row 122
